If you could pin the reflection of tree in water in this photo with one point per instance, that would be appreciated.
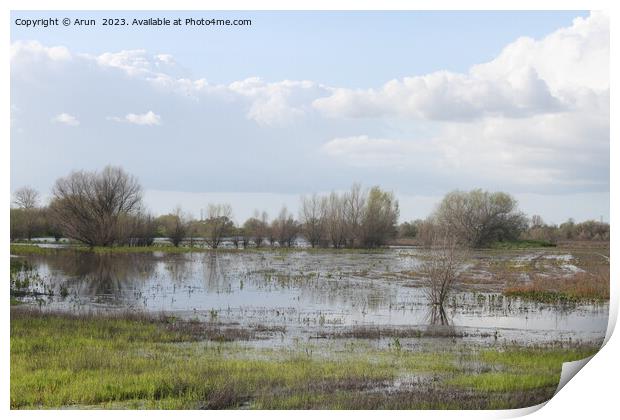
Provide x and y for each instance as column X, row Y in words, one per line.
column 439, row 321
column 91, row 274
column 216, row 269
column 179, row 268
column 437, row 315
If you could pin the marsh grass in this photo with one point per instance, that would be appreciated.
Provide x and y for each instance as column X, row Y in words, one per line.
column 139, row 361
column 582, row 287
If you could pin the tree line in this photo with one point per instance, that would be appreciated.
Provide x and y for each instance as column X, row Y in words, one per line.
column 105, row 208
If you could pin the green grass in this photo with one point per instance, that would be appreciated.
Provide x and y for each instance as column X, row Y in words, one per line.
column 522, row 244
column 59, row 360
column 23, row 249
column 137, row 361
column 519, row 369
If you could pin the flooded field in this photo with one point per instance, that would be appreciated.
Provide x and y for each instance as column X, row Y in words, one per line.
column 314, row 296
column 299, row 328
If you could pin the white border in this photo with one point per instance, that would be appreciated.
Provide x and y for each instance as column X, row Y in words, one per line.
column 592, row 394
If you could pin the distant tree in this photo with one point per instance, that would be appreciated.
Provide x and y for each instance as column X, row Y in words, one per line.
column 285, row 228
column 245, row 236
column 218, row 224
column 262, row 230
column 174, row 226
column 18, row 225
column 568, row 229
column 336, row 222
column 380, row 218
column 537, row 221
column 354, row 205
column 137, row 229
column 26, row 198
column 235, row 235
column 312, row 218
column 89, row 206
column 478, row 218
column 255, row 228
column 408, row 230
column 28, row 217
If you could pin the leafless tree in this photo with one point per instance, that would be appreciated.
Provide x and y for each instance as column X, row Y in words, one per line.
column 312, row 218
column 336, row 223
column 218, row 223
column 26, row 198
column 285, row 228
column 354, row 203
column 136, row 229
column 442, row 268
column 88, row 206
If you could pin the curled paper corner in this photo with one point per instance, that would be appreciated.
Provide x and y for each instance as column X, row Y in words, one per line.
column 569, row 370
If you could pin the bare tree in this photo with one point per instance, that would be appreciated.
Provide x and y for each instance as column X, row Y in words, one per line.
column 218, row 223
column 442, row 269
column 312, row 218
column 354, row 203
column 88, row 206
column 136, row 229
column 26, row 198
column 336, row 224
column 285, row 228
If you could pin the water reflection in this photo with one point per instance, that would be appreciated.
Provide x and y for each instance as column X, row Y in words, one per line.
column 437, row 316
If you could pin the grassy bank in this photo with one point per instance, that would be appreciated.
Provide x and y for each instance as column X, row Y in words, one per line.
column 137, row 361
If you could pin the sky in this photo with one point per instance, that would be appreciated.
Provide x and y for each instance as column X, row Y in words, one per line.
column 420, row 103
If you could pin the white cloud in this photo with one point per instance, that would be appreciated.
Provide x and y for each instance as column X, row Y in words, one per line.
column 529, row 77
column 138, row 62
column 363, row 151
column 277, row 103
column 66, row 119
column 24, row 52
column 148, row 118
